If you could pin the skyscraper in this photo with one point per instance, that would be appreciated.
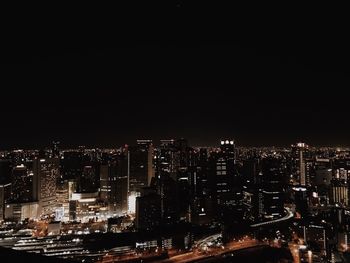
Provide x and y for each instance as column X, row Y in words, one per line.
column 148, row 211
column 141, row 165
column 114, row 184
column 22, row 189
column 87, row 182
column 5, row 192
column 224, row 176
column 299, row 150
column 72, row 165
column 272, row 187
column 46, row 173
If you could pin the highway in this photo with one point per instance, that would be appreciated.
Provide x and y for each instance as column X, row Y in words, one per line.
column 205, row 248
column 289, row 215
column 194, row 255
column 207, row 240
column 197, row 254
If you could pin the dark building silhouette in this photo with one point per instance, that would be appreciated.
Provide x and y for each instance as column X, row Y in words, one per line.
column 148, row 210
column 273, row 188
column 141, row 165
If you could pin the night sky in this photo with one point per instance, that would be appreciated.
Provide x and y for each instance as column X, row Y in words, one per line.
column 256, row 84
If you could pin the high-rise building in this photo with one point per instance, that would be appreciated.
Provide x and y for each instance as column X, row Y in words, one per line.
column 166, row 161
column 339, row 192
column 62, row 197
column 114, row 184
column 273, row 190
column 5, row 193
column 106, row 176
column 300, row 195
column 87, row 182
column 227, row 188
column 45, row 176
column 299, row 154
column 200, row 183
column 148, row 211
column 167, row 189
column 72, row 165
column 141, row 165
column 22, row 188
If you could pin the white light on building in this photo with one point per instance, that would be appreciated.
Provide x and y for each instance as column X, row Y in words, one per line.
column 132, row 202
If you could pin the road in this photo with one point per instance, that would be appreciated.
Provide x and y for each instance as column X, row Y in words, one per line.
column 289, row 215
column 197, row 254
column 207, row 240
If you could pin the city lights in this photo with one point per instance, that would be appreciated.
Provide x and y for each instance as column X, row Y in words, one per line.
column 166, row 191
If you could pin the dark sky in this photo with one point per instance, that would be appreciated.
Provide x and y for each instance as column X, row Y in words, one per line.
column 256, row 84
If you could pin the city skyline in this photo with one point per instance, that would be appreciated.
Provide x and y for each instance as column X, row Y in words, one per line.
column 159, row 140
column 173, row 201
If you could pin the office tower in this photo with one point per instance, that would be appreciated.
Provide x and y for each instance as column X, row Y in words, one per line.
column 114, row 184
column 141, row 165
column 165, row 159
column 301, row 201
column 250, row 171
column 299, row 152
column 202, row 202
column 273, row 188
column 323, row 172
column 62, row 197
column 341, row 169
column 167, row 189
column 120, row 186
column 339, row 192
column 106, row 176
column 22, row 185
column 252, row 189
column 186, row 166
column 148, row 211
column 201, row 179
column 5, row 185
column 5, row 193
column 86, row 182
column 227, row 187
column 45, row 176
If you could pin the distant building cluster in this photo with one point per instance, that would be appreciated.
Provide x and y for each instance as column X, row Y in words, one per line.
column 147, row 186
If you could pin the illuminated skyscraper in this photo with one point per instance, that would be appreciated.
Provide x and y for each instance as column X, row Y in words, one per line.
column 46, row 173
column 339, row 192
column 223, row 173
column 272, row 187
column 299, row 151
column 22, row 189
